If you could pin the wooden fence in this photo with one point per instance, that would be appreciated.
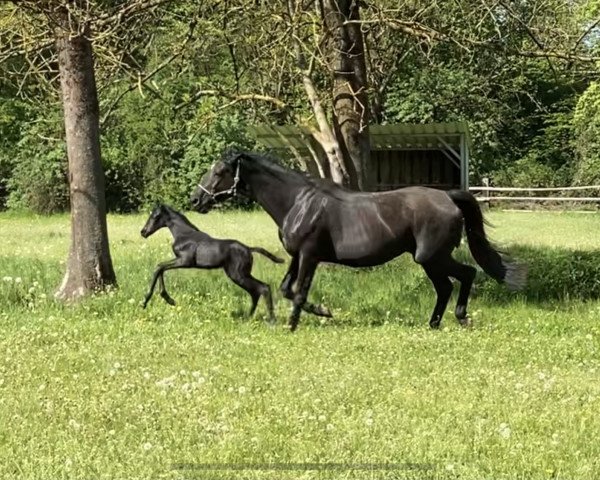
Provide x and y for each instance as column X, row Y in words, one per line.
column 486, row 197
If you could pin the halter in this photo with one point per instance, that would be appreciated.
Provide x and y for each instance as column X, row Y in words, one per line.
column 232, row 190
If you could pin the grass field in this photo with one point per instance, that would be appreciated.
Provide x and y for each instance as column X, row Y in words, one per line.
column 104, row 389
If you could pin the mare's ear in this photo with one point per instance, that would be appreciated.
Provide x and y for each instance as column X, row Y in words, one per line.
column 231, row 155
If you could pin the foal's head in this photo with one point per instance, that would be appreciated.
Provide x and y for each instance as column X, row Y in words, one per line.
column 157, row 220
column 218, row 184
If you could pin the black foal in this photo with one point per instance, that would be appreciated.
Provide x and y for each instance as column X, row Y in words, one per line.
column 196, row 249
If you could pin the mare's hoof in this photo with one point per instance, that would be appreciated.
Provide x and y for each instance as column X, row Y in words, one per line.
column 465, row 321
column 435, row 324
column 317, row 309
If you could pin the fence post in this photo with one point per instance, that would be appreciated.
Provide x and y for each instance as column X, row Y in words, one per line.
column 486, row 193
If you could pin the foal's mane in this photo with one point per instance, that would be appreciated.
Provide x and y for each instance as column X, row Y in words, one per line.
column 180, row 216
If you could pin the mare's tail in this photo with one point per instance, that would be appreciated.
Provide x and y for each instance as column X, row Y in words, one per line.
column 514, row 275
column 267, row 254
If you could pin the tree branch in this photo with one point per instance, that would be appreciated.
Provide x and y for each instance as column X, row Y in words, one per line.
column 234, row 97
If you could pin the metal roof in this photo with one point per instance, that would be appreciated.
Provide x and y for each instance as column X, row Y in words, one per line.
column 401, row 136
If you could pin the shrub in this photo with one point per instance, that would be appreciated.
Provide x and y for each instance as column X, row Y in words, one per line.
column 554, row 274
column 586, row 121
column 38, row 179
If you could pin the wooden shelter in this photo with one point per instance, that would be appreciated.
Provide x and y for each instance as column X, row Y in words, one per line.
column 433, row 155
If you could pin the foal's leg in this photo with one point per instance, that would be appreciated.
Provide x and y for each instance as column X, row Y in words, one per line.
column 158, row 274
column 286, row 289
column 266, row 293
column 465, row 274
column 163, row 290
column 439, row 277
column 239, row 271
column 306, row 272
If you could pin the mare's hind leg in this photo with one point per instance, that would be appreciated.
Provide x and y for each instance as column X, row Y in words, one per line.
column 438, row 275
column 465, row 274
column 287, row 291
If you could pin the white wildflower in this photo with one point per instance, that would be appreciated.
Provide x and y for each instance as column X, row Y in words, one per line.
column 74, row 424
column 504, row 430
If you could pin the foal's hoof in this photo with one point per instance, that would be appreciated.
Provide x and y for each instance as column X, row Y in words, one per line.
column 168, row 299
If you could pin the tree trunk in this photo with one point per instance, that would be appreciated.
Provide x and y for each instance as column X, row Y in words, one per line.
column 350, row 98
column 325, row 135
column 89, row 265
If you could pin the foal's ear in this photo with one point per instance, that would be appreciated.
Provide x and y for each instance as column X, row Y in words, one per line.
column 158, row 207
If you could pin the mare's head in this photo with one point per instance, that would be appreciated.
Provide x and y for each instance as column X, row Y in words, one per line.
column 218, row 184
column 157, row 220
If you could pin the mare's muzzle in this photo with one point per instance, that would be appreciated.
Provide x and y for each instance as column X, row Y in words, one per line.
column 202, row 202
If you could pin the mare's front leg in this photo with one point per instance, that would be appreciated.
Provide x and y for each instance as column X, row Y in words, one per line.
column 306, row 272
column 287, row 291
column 290, row 277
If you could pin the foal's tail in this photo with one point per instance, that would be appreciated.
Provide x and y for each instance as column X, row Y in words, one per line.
column 267, row 254
column 514, row 275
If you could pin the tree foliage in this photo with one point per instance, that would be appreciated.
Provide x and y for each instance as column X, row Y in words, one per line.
column 181, row 80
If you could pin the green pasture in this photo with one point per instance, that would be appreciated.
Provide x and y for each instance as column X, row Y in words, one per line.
column 104, row 389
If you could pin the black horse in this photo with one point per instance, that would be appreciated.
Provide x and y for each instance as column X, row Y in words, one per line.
column 322, row 222
column 196, row 249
